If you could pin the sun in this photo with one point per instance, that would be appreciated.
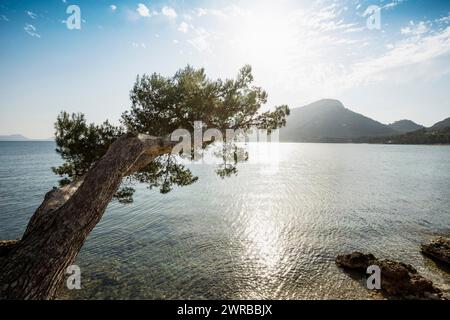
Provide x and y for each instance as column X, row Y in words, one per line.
column 265, row 35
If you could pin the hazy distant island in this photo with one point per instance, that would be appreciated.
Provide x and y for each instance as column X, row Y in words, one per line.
column 19, row 137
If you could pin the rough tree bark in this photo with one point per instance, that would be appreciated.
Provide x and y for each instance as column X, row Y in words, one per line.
column 34, row 267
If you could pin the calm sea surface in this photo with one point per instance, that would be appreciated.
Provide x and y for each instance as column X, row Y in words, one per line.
column 263, row 234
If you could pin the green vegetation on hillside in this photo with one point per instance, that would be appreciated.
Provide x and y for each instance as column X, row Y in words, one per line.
column 422, row 136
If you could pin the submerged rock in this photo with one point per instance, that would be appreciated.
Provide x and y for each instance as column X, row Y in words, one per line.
column 398, row 280
column 438, row 249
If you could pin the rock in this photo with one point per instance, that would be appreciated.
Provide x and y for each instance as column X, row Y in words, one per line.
column 402, row 280
column 438, row 249
column 398, row 280
column 355, row 260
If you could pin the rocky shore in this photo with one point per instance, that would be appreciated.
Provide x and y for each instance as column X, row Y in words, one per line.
column 438, row 250
column 398, row 280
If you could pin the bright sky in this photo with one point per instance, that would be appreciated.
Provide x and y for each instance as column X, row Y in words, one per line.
column 301, row 51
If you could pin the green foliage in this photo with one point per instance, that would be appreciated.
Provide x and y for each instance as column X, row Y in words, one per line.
column 125, row 194
column 164, row 172
column 80, row 145
column 161, row 105
column 422, row 136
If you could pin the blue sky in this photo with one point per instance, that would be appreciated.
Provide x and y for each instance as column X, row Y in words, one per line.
column 300, row 51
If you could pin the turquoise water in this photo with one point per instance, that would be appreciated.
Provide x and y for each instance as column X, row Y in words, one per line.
column 269, row 234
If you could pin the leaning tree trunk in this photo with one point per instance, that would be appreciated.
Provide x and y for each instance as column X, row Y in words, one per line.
column 34, row 267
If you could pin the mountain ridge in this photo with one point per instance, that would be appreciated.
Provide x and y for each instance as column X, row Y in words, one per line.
column 405, row 126
column 441, row 124
column 328, row 120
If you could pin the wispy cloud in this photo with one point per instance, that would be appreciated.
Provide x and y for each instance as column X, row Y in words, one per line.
column 228, row 11
column 200, row 40
column 113, row 7
column 314, row 28
column 4, row 18
column 405, row 55
column 31, row 14
column 444, row 20
column 31, row 30
column 199, row 12
column 169, row 12
column 139, row 45
column 183, row 27
column 319, row 50
column 416, row 29
column 392, row 4
column 143, row 10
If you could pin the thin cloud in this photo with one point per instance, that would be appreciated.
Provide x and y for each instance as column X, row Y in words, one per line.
column 183, row 27
column 413, row 51
column 444, row 20
column 143, row 10
column 31, row 30
column 139, row 45
column 169, row 12
column 392, row 4
column 320, row 50
column 200, row 40
column 31, row 14
column 226, row 12
column 416, row 29
column 201, row 12
column 113, row 7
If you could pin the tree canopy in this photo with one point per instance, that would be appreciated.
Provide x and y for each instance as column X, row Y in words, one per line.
column 160, row 105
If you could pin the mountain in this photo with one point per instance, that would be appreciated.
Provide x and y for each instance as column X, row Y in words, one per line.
column 329, row 121
column 437, row 134
column 14, row 137
column 441, row 125
column 405, row 126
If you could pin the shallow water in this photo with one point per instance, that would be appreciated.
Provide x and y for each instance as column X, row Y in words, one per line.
column 263, row 234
